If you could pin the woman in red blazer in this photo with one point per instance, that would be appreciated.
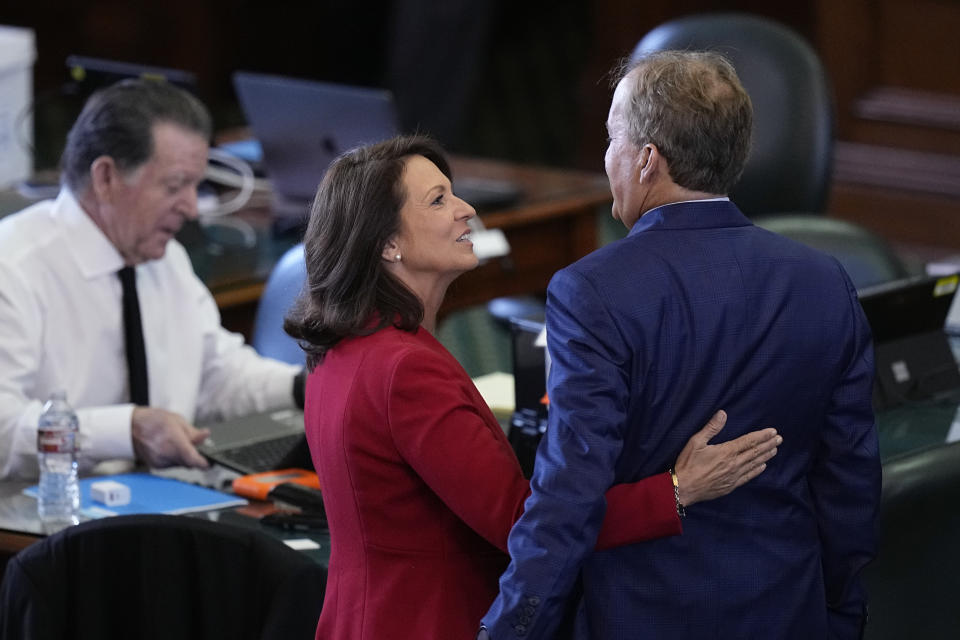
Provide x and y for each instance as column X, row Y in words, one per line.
column 420, row 484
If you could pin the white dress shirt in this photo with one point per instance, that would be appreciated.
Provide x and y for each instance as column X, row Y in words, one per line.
column 61, row 327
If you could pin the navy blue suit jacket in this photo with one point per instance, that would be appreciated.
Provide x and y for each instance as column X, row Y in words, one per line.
column 698, row 310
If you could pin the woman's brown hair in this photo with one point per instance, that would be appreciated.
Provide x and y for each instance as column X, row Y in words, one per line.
column 356, row 211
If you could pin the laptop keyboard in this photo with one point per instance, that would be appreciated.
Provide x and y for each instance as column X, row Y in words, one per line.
column 262, row 456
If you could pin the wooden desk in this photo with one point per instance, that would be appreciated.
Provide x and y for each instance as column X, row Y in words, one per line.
column 552, row 225
column 901, row 430
column 19, row 526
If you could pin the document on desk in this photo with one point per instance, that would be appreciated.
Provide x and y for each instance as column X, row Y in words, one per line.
column 497, row 391
column 152, row 494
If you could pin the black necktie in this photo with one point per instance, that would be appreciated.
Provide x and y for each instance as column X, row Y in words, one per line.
column 133, row 339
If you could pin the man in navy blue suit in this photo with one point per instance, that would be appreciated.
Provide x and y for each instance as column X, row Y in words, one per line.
column 697, row 310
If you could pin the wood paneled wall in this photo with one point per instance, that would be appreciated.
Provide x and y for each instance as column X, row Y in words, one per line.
column 894, row 66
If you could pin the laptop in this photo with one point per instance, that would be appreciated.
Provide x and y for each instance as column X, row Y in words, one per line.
column 90, row 74
column 913, row 356
column 529, row 420
column 303, row 125
column 259, row 442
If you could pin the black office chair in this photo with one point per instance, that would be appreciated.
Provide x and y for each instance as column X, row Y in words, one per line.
column 159, row 577
column 791, row 159
column 790, row 166
column 866, row 257
column 282, row 288
column 912, row 585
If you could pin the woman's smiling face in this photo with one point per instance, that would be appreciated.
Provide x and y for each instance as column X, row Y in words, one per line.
column 434, row 234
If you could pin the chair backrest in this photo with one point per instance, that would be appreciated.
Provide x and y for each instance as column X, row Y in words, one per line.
column 866, row 257
column 155, row 576
column 912, row 585
column 790, row 163
column 283, row 286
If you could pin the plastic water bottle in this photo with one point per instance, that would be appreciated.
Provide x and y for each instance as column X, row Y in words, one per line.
column 58, row 497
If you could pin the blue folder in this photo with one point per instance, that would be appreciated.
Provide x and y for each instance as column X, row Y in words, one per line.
column 152, row 494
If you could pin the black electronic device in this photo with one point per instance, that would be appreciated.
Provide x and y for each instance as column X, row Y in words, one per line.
column 528, row 422
column 311, row 515
column 298, row 495
column 89, row 74
column 487, row 194
column 913, row 357
column 292, row 521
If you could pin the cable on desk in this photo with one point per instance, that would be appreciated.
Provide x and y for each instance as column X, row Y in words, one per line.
column 238, row 175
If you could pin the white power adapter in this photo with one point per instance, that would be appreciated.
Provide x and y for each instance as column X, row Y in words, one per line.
column 110, row 493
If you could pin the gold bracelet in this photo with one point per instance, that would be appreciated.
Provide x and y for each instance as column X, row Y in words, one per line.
column 681, row 511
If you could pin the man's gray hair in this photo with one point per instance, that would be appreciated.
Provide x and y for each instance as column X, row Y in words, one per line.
column 692, row 107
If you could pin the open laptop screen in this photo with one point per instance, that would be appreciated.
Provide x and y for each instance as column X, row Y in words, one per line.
column 907, row 307
column 302, row 125
column 913, row 357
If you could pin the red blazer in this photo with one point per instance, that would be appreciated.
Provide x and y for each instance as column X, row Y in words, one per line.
column 421, row 488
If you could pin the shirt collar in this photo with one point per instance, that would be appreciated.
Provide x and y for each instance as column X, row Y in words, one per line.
column 94, row 253
column 692, row 214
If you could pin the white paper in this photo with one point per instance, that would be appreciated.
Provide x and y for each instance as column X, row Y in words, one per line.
column 302, row 544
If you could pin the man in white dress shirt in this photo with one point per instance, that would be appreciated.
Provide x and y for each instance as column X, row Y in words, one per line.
column 130, row 172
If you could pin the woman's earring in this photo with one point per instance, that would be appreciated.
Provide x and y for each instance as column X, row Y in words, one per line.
column 398, row 257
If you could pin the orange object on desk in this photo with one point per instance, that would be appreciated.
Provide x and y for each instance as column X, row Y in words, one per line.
column 258, row 485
